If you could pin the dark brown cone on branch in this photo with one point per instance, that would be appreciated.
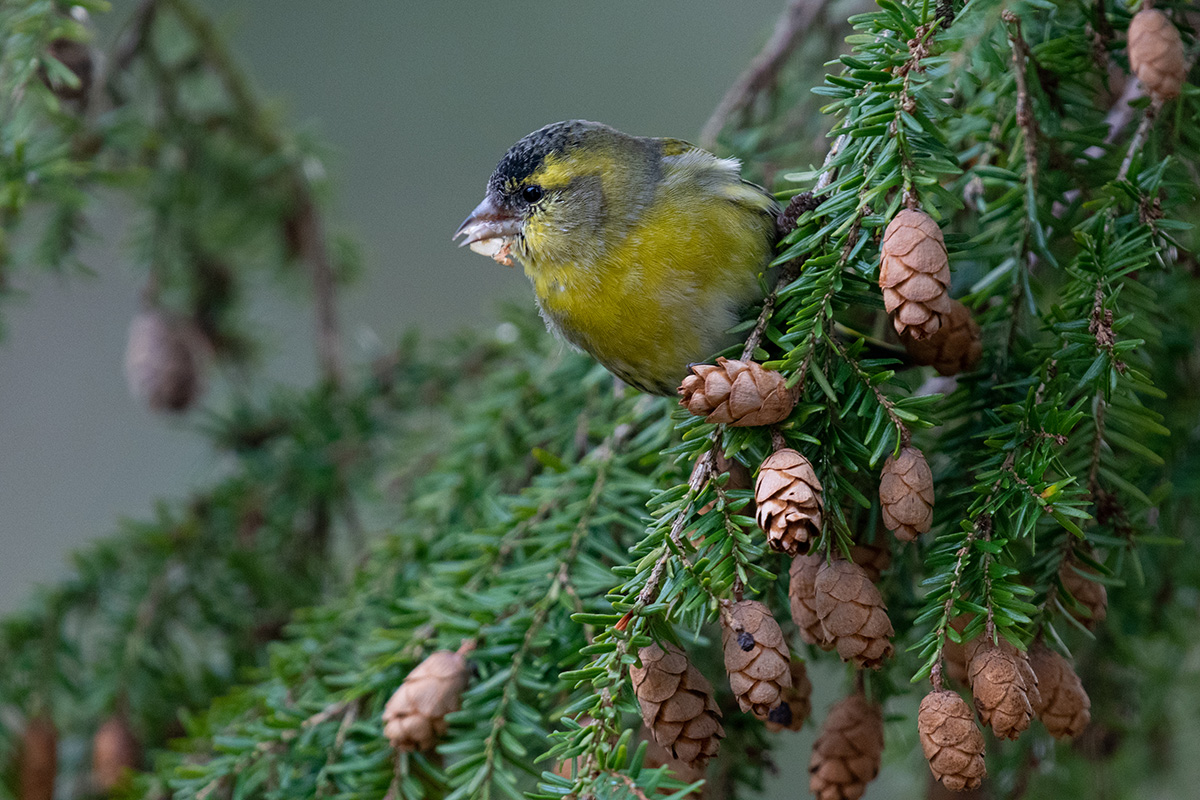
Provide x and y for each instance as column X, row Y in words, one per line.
column 115, row 753
column 756, row 656
column 415, row 715
column 956, row 347
column 848, row 751
column 77, row 57
column 852, row 614
column 796, row 707
column 1156, row 54
column 951, row 741
column 906, row 494
column 874, row 558
column 737, row 393
column 677, row 705
column 165, row 360
column 1004, row 685
column 802, row 598
column 1090, row 605
column 954, row 654
column 914, row 273
column 38, row 759
column 1063, row 707
column 789, row 505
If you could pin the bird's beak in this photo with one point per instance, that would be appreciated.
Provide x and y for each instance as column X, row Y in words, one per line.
column 489, row 230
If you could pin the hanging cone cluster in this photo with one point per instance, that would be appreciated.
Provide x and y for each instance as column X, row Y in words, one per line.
column 165, row 359
column 737, row 393
column 952, row 743
column 38, row 759
column 789, row 505
column 796, row 707
column 677, row 705
column 115, row 753
column 1063, row 706
column 415, row 715
column 802, row 598
column 874, row 558
column 852, row 614
column 914, row 273
column 848, row 751
column 906, row 494
column 955, row 347
column 1156, row 54
column 756, row 656
column 1004, row 685
column 1090, row 599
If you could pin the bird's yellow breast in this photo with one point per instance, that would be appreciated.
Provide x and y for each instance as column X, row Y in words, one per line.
column 666, row 292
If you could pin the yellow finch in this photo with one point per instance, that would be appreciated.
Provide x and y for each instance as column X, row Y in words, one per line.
column 644, row 252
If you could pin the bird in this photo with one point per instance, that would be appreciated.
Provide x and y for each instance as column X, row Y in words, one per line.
column 644, row 252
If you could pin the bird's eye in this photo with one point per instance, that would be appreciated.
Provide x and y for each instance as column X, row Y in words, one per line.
column 531, row 194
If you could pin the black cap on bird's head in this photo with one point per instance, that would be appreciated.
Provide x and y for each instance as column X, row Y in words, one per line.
column 497, row 220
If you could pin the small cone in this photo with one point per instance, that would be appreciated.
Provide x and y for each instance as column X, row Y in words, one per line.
column 77, row 57
column 955, row 655
column 906, row 494
column 164, row 361
column 115, row 753
column 1004, row 685
column 852, row 614
column 789, row 505
column 802, row 597
column 951, row 741
column 677, row 705
column 737, row 393
column 38, row 760
column 848, row 751
column 914, row 273
column 956, row 347
column 797, row 701
column 1063, row 707
column 415, row 715
column 1088, row 600
column 874, row 558
column 1156, row 54
column 756, row 657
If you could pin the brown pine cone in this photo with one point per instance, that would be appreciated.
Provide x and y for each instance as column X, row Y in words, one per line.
column 1004, row 685
column 1087, row 600
column 756, row 656
column 165, row 358
column 852, row 614
column 677, row 705
column 848, row 751
column 76, row 57
column 1064, row 707
column 874, row 558
column 415, row 715
column 914, row 273
column 906, row 494
column 657, row 756
column 956, row 347
column 736, row 393
column 115, row 752
column 951, row 741
column 802, row 597
column 1156, row 54
column 797, row 701
column 789, row 505
column 955, row 655
column 39, row 759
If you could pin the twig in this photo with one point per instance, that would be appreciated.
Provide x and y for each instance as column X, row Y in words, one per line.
column 763, row 72
column 1139, row 138
column 1025, row 119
